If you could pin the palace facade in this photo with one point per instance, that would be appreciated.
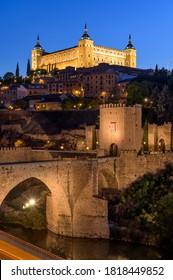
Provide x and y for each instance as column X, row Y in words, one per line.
column 84, row 55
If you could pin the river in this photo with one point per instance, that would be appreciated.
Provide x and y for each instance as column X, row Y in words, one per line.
column 86, row 249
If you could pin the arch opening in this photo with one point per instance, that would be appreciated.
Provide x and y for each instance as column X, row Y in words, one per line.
column 113, row 150
column 161, row 145
column 25, row 204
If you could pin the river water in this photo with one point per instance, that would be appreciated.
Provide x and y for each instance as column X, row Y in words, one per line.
column 86, row 249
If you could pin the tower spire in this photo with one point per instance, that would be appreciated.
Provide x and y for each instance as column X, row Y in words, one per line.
column 85, row 35
column 38, row 46
column 130, row 45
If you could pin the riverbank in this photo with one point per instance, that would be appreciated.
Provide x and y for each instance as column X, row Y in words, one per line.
column 87, row 249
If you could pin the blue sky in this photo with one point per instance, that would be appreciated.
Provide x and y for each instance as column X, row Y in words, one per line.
column 60, row 24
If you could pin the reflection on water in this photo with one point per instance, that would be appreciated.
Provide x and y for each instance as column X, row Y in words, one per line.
column 86, row 249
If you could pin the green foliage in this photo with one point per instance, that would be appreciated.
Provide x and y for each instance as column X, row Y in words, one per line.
column 164, row 220
column 34, row 219
column 147, row 205
column 28, row 70
column 138, row 91
column 17, row 70
column 20, row 104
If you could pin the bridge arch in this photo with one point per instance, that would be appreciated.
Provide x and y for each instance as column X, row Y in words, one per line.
column 72, row 208
column 26, row 203
column 107, row 178
column 58, row 211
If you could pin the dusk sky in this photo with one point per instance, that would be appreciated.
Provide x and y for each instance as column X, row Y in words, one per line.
column 60, row 24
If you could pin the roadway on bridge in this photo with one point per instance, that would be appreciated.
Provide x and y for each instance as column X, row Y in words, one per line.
column 10, row 252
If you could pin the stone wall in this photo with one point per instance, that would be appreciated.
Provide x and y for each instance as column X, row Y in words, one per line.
column 157, row 133
column 130, row 166
column 25, row 154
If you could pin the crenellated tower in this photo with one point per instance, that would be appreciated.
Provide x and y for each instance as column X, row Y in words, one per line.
column 37, row 53
column 130, row 53
column 120, row 128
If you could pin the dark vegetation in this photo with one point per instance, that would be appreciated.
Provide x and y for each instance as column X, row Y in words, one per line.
column 155, row 93
column 144, row 212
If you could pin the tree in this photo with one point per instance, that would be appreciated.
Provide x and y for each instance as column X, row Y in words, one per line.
column 164, row 220
column 137, row 91
column 28, row 71
column 17, row 70
column 8, row 76
column 156, row 69
column 162, row 101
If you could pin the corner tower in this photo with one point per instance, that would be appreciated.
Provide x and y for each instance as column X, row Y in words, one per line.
column 130, row 53
column 85, row 46
column 37, row 53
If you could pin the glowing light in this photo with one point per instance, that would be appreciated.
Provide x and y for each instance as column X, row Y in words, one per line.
column 32, row 202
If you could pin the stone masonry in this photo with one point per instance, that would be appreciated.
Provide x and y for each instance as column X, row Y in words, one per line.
column 73, row 208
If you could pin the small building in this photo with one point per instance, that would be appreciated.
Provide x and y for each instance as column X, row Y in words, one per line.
column 48, row 105
column 44, row 102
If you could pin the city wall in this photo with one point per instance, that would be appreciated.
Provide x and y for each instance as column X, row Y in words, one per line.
column 130, row 166
column 25, row 154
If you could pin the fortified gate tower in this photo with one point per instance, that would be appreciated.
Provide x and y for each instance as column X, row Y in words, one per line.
column 120, row 128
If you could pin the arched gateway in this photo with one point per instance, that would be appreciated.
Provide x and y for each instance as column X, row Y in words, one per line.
column 71, row 208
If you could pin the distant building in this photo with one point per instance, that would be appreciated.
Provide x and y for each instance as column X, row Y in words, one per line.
column 44, row 102
column 33, row 89
column 85, row 54
column 98, row 81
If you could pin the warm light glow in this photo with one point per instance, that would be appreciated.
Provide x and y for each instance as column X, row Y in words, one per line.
column 19, row 143
column 32, row 202
column 28, row 204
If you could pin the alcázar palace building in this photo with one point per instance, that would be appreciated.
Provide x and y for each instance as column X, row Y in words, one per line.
column 84, row 55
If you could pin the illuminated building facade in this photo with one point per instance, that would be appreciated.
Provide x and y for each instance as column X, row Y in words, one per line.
column 120, row 128
column 84, row 55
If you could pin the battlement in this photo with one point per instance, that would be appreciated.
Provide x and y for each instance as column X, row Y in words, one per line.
column 15, row 149
column 126, row 151
column 115, row 105
column 23, row 154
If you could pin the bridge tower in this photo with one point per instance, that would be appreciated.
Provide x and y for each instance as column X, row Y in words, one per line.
column 120, row 128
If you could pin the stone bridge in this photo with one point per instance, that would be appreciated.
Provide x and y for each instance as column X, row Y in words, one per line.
column 72, row 208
